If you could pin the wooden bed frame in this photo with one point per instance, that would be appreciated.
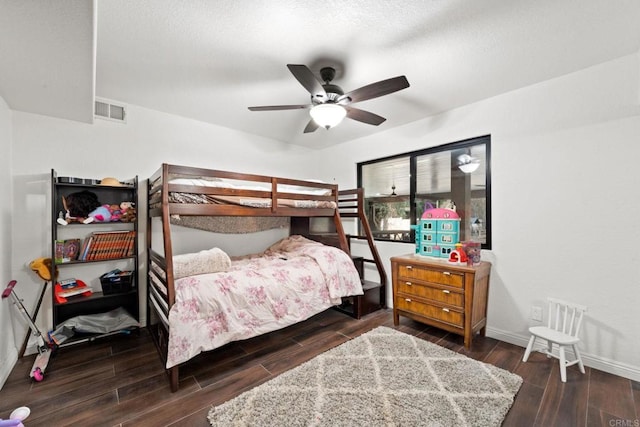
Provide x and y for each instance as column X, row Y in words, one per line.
column 159, row 205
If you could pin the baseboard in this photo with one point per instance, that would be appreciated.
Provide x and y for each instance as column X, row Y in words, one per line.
column 7, row 364
column 595, row 362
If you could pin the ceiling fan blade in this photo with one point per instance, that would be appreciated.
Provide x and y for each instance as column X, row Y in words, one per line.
column 306, row 78
column 311, row 127
column 364, row 116
column 374, row 90
column 279, row 107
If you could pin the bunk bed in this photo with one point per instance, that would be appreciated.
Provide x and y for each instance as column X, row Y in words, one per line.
column 351, row 204
column 175, row 290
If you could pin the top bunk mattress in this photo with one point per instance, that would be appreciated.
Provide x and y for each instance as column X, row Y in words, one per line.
column 194, row 186
column 200, row 197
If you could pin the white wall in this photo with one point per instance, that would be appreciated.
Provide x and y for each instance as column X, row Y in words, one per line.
column 8, row 351
column 120, row 150
column 565, row 201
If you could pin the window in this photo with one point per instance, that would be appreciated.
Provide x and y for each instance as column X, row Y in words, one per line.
column 398, row 189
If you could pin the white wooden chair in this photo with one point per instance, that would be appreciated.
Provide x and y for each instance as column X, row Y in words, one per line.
column 563, row 325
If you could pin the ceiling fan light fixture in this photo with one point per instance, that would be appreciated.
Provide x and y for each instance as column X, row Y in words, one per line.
column 467, row 164
column 327, row 115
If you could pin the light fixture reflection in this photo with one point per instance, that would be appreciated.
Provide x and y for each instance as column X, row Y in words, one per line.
column 327, row 115
column 467, row 164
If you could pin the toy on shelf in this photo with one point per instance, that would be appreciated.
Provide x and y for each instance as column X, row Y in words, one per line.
column 78, row 207
column 70, row 287
column 128, row 211
column 458, row 256
column 84, row 207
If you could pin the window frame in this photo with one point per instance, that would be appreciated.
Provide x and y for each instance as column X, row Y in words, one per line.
column 414, row 155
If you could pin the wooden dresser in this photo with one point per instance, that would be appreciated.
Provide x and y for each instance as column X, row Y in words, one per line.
column 447, row 296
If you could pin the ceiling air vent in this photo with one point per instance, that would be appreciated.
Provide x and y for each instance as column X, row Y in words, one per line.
column 105, row 109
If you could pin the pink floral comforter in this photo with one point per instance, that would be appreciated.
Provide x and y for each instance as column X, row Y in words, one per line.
column 290, row 282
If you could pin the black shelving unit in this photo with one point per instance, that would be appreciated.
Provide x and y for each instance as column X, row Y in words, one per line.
column 97, row 302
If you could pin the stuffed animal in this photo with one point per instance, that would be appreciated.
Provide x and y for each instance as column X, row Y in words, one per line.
column 116, row 212
column 108, row 213
column 99, row 214
column 128, row 212
column 84, row 207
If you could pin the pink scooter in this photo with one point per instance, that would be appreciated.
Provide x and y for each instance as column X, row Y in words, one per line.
column 44, row 350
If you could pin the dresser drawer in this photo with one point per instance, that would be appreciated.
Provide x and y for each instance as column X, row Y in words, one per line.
column 440, row 294
column 431, row 311
column 444, row 277
column 409, row 289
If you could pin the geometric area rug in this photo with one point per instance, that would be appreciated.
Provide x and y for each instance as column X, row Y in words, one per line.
column 383, row 377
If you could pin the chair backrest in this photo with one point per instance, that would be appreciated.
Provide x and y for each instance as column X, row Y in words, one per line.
column 565, row 317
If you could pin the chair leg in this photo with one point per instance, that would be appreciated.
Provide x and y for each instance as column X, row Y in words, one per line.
column 563, row 364
column 549, row 349
column 527, row 352
column 579, row 358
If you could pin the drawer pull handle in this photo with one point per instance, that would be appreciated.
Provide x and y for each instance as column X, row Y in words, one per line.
column 446, row 273
column 407, row 299
column 445, row 310
column 409, row 267
column 408, row 283
column 446, row 291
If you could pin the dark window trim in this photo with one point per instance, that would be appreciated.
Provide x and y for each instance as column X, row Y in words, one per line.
column 484, row 139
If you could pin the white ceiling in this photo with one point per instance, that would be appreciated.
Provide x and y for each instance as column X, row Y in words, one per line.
column 210, row 60
column 47, row 55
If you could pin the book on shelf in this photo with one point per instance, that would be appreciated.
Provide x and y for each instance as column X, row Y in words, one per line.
column 91, row 248
column 95, row 251
column 85, row 248
column 59, row 249
column 66, row 250
column 129, row 244
column 108, row 245
column 111, row 250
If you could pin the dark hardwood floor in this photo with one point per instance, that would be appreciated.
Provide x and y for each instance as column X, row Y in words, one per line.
column 120, row 381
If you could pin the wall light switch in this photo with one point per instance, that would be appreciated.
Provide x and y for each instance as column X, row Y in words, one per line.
column 536, row 313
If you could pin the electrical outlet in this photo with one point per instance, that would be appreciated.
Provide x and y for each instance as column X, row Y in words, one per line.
column 536, row 313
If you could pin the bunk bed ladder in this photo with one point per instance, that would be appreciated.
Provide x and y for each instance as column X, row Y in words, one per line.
column 351, row 205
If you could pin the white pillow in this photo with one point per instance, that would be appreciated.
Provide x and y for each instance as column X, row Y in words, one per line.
column 209, row 261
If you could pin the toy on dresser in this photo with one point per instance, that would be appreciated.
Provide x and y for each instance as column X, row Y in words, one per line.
column 438, row 235
column 437, row 232
column 458, row 256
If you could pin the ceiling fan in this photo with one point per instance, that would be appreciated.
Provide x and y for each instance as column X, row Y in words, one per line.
column 392, row 194
column 329, row 104
column 393, row 191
